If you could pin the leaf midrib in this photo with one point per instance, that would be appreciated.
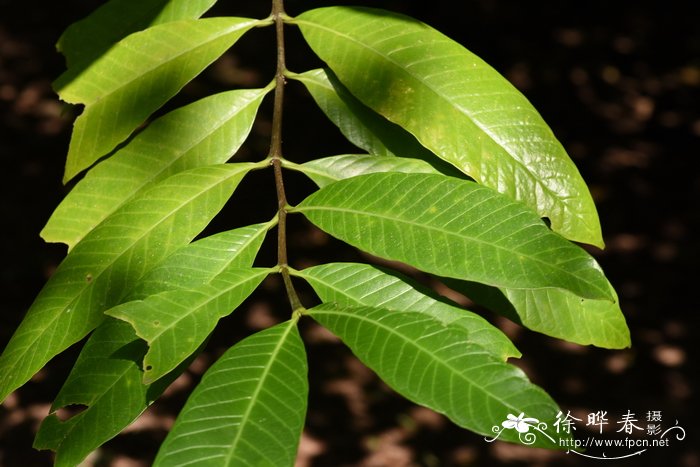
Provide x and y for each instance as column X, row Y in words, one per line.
column 116, row 378
column 149, row 180
column 79, row 294
column 415, row 343
column 442, row 97
column 302, row 208
column 170, row 60
column 258, row 388
column 230, row 287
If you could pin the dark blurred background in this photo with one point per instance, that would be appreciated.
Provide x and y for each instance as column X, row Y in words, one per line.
column 617, row 81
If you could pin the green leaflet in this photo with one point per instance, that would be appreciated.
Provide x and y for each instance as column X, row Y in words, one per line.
column 138, row 75
column 249, row 408
column 109, row 260
column 439, row 368
column 103, row 366
column 86, row 40
column 555, row 312
column 330, row 169
column 107, row 379
column 457, row 106
column 175, row 323
column 206, row 132
column 362, row 284
column 359, row 124
column 199, row 262
column 453, row 228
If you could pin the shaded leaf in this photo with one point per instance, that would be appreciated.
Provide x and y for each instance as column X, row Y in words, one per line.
column 107, row 379
column 135, row 77
column 555, row 312
column 110, row 385
column 439, row 368
column 249, row 408
column 361, row 125
column 453, row 228
column 206, row 132
column 99, row 271
column 362, row 284
column 330, row 169
column 85, row 40
column 175, row 323
column 457, row 106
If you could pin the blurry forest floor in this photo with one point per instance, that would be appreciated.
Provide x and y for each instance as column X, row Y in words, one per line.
column 617, row 81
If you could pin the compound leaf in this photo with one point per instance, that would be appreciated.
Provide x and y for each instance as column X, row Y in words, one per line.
column 453, row 228
column 135, row 77
column 330, row 169
column 205, row 132
column 457, row 106
column 362, row 284
column 249, row 408
column 176, row 322
column 555, row 312
column 99, row 271
column 438, row 367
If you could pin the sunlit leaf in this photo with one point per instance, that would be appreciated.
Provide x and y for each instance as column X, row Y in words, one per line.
column 111, row 360
column 330, row 169
column 555, row 312
column 109, row 260
column 135, row 77
column 453, row 228
column 457, row 106
column 362, row 284
column 199, row 262
column 206, row 132
column 439, row 368
column 175, row 323
column 249, row 408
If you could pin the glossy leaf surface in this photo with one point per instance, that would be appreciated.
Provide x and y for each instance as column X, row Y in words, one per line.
column 87, row 39
column 331, row 169
column 206, row 132
column 457, row 106
column 453, row 228
column 439, row 368
column 249, row 408
column 135, row 77
column 101, row 268
column 555, row 312
column 175, row 323
column 362, row 284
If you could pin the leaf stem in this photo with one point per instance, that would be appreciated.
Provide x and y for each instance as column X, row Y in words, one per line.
column 275, row 155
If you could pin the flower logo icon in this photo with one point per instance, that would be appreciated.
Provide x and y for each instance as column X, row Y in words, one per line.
column 520, row 423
